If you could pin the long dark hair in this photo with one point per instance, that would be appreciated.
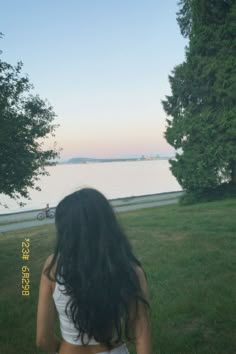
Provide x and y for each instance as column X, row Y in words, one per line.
column 96, row 265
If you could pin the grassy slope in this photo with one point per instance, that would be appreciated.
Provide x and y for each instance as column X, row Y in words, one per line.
column 189, row 256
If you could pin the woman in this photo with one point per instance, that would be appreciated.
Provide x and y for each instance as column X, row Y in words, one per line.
column 93, row 281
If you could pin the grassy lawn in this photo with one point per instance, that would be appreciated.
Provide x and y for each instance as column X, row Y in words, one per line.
column 188, row 253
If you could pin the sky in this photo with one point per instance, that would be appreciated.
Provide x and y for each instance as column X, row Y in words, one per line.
column 103, row 65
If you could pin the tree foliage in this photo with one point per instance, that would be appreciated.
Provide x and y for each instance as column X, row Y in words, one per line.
column 201, row 110
column 25, row 121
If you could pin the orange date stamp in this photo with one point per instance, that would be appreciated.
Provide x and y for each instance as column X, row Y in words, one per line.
column 25, row 270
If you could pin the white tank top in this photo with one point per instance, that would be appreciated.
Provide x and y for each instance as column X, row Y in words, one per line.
column 68, row 331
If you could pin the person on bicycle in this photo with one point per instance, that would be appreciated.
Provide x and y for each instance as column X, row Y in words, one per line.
column 47, row 210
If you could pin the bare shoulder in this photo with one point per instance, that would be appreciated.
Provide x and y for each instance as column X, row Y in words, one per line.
column 143, row 281
column 140, row 272
column 46, row 265
column 48, row 261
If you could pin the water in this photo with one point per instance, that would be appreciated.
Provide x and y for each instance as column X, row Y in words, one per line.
column 113, row 179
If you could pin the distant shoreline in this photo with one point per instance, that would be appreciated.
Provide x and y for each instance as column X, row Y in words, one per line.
column 84, row 160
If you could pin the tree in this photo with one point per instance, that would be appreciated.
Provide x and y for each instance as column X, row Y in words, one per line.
column 25, row 121
column 202, row 108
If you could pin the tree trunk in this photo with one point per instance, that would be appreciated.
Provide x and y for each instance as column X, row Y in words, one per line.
column 233, row 173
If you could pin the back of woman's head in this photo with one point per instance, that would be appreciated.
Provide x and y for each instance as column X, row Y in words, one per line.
column 96, row 264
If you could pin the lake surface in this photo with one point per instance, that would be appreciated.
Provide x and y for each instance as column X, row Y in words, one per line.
column 113, row 179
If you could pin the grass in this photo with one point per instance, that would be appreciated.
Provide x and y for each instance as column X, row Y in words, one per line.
column 188, row 253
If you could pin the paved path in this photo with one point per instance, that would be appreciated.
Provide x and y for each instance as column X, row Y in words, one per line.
column 133, row 203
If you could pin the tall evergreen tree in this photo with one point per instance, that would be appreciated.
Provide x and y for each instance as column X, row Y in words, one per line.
column 202, row 108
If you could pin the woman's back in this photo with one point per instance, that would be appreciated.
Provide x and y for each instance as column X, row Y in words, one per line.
column 68, row 329
column 98, row 291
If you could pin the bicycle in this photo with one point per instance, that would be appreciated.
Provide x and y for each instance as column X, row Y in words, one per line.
column 43, row 215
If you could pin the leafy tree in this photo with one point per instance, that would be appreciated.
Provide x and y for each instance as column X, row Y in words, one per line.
column 25, row 120
column 202, row 108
